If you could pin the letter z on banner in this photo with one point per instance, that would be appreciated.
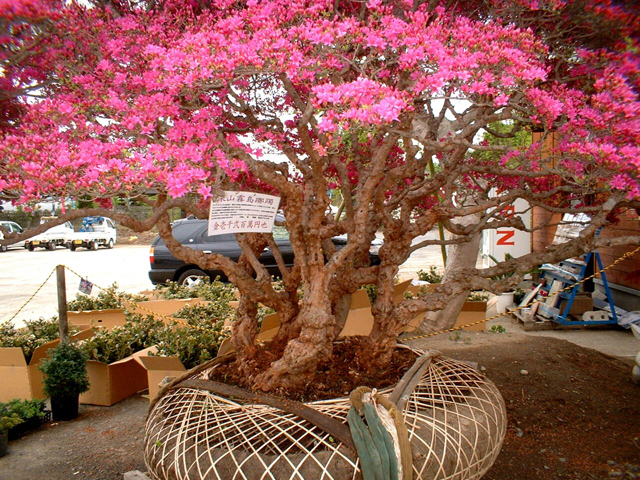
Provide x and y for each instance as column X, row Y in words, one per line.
column 238, row 212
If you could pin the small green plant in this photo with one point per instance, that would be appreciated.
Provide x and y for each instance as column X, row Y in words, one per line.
column 497, row 329
column 455, row 337
column 372, row 292
column 212, row 291
column 478, row 296
column 507, row 257
column 193, row 346
column 432, row 276
column 206, row 314
column 518, row 296
column 107, row 299
column 8, row 419
column 198, row 340
column 458, row 337
column 65, row 371
column 34, row 334
column 137, row 333
column 26, row 409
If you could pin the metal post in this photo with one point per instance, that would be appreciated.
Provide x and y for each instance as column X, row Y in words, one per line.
column 62, row 304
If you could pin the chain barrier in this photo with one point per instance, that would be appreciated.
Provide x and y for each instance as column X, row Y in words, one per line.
column 566, row 289
column 124, row 300
column 32, row 296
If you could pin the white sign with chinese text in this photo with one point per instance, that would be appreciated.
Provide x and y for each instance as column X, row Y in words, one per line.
column 239, row 212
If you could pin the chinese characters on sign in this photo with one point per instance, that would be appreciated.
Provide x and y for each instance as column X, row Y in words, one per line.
column 238, row 212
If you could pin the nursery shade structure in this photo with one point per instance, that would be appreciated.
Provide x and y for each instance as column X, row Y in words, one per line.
column 170, row 103
column 456, row 420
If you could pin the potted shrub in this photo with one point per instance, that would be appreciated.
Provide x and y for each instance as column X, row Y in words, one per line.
column 65, row 378
column 31, row 412
column 8, row 420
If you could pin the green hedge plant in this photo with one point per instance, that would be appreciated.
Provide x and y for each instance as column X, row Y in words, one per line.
column 212, row 291
column 108, row 299
column 26, row 409
column 34, row 334
column 138, row 332
column 198, row 338
column 432, row 276
column 65, row 371
column 8, row 419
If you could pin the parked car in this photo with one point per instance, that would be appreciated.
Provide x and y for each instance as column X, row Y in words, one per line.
column 57, row 236
column 193, row 233
column 95, row 232
column 10, row 227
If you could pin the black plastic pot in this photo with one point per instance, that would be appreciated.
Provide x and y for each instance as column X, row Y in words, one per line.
column 4, row 443
column 31, row 424
column 64, row 408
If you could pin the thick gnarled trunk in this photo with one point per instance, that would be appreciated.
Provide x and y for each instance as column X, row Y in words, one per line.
column 314, row 344
column 463, row 257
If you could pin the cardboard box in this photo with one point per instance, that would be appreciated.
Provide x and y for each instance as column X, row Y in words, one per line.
column 471, row 312
column 580, row 305
column 23, row 381
column 116, row 317
column 98, row 318
column 162, row 307
column 151, row 294
column 418, row 289
column 112, row 383
column 158, row 368
column 359, row 321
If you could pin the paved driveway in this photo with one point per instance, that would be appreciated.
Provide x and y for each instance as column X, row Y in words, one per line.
column 22, row 272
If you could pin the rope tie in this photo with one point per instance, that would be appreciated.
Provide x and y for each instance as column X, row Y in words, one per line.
column 382, row 438
column 32, row 296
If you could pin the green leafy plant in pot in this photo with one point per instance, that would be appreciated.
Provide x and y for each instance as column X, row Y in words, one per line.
column 65, row 378
column 8, row 420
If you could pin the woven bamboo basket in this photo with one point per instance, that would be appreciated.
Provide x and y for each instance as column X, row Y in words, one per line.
column 456, row 420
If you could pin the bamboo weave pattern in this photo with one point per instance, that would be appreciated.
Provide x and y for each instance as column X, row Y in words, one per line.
column 456, row 420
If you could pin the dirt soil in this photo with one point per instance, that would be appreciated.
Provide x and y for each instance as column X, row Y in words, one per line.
column 573, row 414
column 329, row 381
column 126, row 236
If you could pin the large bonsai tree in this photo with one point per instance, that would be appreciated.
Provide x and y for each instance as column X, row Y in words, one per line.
column 399, row 108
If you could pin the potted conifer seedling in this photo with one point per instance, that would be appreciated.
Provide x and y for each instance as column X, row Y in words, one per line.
column 65, row 378
column 8, row 420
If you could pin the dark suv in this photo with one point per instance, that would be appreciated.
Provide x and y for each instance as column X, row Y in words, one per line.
column 193, row 233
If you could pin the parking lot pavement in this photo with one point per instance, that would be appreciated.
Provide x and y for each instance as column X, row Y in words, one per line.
column 22, row 272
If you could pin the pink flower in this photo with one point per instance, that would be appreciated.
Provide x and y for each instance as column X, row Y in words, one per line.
column 204, row 191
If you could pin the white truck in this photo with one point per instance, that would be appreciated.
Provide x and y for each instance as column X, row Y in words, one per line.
column 58, row 236
column 11, row 227
column 94, row 232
